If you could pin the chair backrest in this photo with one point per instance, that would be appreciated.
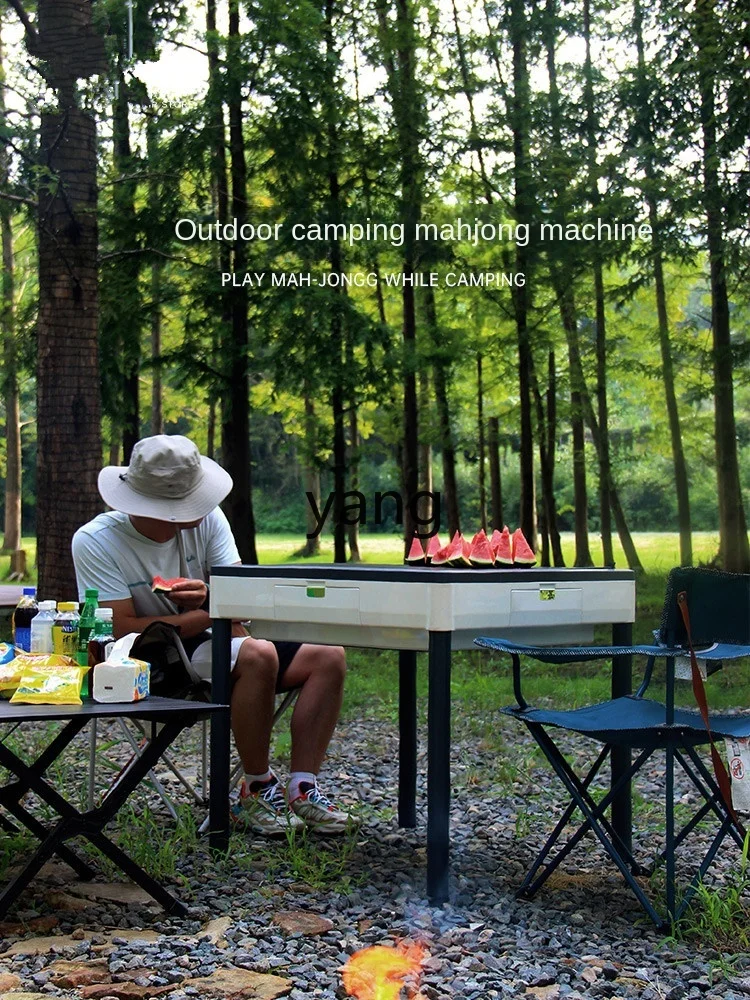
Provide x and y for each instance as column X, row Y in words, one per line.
column 719, row 606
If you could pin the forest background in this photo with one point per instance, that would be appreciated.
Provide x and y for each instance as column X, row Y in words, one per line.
column 606, row 395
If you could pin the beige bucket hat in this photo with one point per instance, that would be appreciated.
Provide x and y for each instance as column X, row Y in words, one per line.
column 167, row 479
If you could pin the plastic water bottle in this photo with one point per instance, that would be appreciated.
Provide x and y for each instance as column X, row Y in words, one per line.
column 65, row 629
column 86, row 624
column 41, row 627
column 26, row 609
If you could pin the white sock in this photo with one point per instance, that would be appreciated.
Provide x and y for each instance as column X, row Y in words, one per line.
column 294, row 782
column 250, row 778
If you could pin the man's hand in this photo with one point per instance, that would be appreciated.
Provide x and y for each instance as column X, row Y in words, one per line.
column 189, row 594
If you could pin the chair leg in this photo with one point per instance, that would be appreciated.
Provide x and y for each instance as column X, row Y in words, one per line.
column 669, row 829
column 92, row 765
column 158, row 787
column 558, row 761
column 556, row 833
column 593, row 818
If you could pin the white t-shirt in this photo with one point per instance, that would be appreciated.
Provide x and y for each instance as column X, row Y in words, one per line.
column 112, row 556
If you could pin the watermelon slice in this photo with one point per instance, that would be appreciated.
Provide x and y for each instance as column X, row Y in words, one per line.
column 495, row 540
column 465, row 553
column 455, row 550
column 481, row 551
column 523, row 554
column 416, row 553
column 433, row 547
column 504, row 548
column 161, row 586
column 440, row 558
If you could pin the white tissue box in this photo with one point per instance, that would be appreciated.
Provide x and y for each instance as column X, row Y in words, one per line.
column 127, row 680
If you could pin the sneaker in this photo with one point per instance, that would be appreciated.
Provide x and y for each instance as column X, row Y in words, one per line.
column 318, row 813
column 262, row 808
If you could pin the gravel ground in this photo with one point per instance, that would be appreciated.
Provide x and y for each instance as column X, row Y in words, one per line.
column 582, row 936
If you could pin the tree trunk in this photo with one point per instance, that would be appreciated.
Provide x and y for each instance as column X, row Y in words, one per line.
column 562, row 282
column 128, row 268
column 496, row 486
column 68, row 405
column 399, row 43
column 235, row 429
column 734, row 549
column 424, row 508
column 643, row 117
column 546, row 431
column 480, row 441
column 523, row 210
column 592, row 138
column 219, row 198
column 353, row 463
column 157, row 422
column 310, row 479
column 447, row 446
column 211, row 430
column 12, row 525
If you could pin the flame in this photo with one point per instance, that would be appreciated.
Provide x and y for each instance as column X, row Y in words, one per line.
column 378, row 973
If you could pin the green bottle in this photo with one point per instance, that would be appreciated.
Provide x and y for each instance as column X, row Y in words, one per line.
column 85, row 630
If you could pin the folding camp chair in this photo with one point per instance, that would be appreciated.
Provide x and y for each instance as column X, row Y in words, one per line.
column 712, row 607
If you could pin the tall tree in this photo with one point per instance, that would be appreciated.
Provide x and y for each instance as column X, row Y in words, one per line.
column 652, row 192
column 398, row 38
column 12, row 526
column 593, row 141
column 68, row 404
column 235, row 430
column 562, row 276
column 734, row 545
column 523, row 198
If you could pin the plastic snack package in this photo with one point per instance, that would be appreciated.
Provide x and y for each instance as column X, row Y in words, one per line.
column 7, row 652
column 50, row 685
column 12, row 671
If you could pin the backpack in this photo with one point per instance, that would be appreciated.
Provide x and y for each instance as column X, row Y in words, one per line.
column 172, row 674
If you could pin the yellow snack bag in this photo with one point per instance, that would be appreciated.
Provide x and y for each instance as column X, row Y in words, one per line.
column 12, row 671
column 50, row 685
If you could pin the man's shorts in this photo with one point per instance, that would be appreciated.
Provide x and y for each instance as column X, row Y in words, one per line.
column 201, row 658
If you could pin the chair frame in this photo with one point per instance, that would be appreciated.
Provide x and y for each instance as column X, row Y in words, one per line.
column 676, row 737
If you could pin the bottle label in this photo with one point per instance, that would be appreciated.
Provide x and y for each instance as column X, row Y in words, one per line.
column 65, row 638
column 23, row 638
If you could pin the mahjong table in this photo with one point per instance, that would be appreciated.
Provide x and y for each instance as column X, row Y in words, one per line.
column 412, row 610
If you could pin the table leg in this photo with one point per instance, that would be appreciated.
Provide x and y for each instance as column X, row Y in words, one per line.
column 438, row 767
column 407, row 741
column 622, row 684
column 220, row 735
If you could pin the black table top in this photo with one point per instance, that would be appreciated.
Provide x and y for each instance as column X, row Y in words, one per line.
column 154, row 709
column 423, row 574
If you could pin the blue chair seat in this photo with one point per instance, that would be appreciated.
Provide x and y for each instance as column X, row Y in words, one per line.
column 635, row 722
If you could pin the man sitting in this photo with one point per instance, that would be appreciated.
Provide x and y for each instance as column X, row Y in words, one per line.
column 165, row 521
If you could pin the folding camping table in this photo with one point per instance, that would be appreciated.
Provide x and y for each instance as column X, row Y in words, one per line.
column 412, row 609
column 167, row 718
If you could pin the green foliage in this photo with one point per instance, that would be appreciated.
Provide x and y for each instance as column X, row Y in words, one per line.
column 319, row 863
column 719, row 915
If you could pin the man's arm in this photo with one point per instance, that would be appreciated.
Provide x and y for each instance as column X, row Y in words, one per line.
column 124, row 619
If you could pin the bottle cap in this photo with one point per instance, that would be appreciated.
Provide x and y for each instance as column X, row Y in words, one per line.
column 104, row 614
column 47, row 605
column 29, row 591
column 67, row 606
column 92, row 592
